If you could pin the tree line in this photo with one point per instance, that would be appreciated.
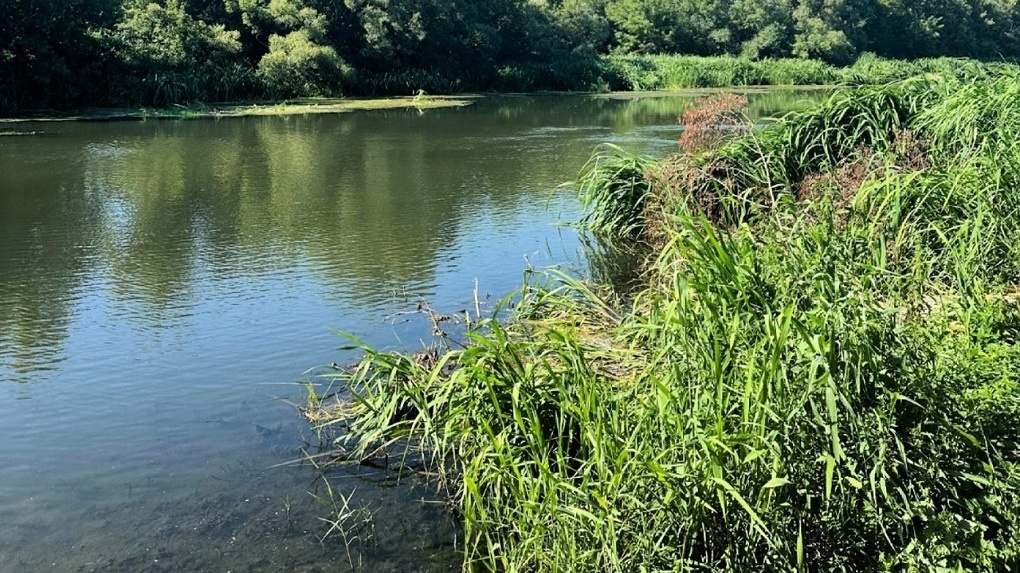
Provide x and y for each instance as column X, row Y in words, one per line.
column 58, row 53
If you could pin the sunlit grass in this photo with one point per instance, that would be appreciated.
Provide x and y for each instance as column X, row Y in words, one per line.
column 673, row 72
column 822, row 375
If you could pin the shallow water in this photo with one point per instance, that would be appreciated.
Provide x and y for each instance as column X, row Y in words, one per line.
column 166, row 285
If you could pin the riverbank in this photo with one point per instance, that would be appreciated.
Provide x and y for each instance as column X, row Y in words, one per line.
column 331, row 106
column 671, row 72
column 817, row 372
column 245, row 109
column 614, row 74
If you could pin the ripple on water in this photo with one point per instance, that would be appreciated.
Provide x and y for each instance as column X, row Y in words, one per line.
column 164, row 286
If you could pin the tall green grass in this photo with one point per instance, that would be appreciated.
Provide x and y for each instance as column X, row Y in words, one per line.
column 826, row 382
column 613, row 191
column 673, row 72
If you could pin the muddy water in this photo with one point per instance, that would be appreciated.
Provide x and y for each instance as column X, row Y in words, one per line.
column 165, row 286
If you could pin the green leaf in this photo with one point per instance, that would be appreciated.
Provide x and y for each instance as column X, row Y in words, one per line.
column 775, row 482
column 753, row 455
column 830, row 468
column 757, row 522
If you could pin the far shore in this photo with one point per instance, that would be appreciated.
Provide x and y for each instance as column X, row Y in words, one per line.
column 304, row 106
column 241, row 109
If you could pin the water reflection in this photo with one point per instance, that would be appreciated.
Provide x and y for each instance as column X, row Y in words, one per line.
column 367, row 201
column 159, row 280
column 44, row 228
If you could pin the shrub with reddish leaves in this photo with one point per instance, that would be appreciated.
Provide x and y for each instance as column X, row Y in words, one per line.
column 712, row 119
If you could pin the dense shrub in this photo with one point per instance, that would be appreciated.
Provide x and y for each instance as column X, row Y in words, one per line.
column 297, row 66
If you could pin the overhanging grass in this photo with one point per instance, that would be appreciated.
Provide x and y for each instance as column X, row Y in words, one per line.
column 825, row 379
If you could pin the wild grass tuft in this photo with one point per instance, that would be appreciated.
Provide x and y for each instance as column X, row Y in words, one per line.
column 612, row 187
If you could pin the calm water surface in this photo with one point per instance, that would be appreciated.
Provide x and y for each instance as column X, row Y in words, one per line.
column 165, row 286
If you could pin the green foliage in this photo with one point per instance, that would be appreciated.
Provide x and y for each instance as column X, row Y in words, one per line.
column 159, row 52
column 669, row 72
column 297, row 66
column 266, row 17
column 165, row 35
column 832, row 30
column 172, row 57
column 829, row 30
column 51, row 51
column 664, row 72
column 791, row 72
column 829, row 386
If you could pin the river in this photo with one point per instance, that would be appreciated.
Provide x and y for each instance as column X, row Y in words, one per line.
column 167, row 286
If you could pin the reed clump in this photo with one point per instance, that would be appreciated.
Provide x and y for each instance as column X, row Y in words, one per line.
column 614, row 190
column 822, row 375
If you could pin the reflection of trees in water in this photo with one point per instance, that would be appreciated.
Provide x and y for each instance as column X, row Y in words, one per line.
column 146, row 227
column 368, row 201
column 45, row 226
column 629, row 112
column 625, row 111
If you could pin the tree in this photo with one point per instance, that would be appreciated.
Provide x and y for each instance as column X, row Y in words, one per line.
column 299, row 62
column 643, row 26
column 762, row 28
column 700, row 27
column 450, row 44
column 297, row 66
column 584, row 25
column 50, row 51
column 830, row 30
column 173, row 57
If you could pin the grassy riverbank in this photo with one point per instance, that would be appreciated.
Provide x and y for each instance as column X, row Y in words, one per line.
column 613, row 73
column 670, row 72
column 820, row 370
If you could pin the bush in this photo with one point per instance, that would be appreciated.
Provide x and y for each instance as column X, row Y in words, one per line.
column 297, row 66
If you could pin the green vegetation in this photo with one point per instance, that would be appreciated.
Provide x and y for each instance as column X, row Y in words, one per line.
column 666, row 72
column 63, row 53
column 298, row 106
column 613, row 190
column 819, row 371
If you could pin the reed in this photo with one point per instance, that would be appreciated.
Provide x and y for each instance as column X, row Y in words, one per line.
column 828, row 382
column 674, row 72
column 613, row 190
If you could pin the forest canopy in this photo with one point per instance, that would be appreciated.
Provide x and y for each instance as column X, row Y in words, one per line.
column 58, row 53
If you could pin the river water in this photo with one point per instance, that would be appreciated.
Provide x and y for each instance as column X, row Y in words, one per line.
column 166, row 287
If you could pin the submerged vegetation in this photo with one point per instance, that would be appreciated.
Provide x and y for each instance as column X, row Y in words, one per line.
column 820, row 370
